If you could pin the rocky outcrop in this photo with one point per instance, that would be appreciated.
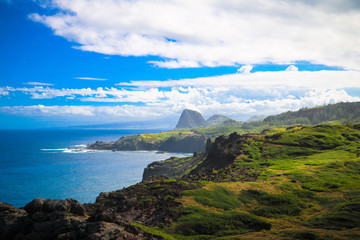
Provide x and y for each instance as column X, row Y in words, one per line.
column 61, row 219
column 190, row 119
column 222, row 152
column 151, row 203
column 173, row 167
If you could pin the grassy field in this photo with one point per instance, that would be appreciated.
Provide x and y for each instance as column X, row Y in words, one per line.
column 308, row 188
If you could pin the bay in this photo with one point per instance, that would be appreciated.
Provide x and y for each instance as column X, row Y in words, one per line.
column 52, row 164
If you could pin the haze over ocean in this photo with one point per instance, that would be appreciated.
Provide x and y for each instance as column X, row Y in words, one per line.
column 43, row 163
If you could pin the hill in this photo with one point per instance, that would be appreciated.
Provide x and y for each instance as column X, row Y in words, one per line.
column 336, row 113
column 216, row 119
column 292, row 183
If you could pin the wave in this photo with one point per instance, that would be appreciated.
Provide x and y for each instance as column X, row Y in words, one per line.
column 76, row 149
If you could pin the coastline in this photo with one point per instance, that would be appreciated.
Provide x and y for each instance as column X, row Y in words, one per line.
column 61, row 174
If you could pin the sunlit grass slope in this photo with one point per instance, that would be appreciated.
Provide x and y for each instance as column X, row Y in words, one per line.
column 308, row 187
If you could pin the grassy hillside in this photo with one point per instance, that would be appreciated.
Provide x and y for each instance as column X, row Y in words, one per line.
column 285, row 183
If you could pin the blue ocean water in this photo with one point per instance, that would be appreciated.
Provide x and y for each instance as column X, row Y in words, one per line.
column 50, row 164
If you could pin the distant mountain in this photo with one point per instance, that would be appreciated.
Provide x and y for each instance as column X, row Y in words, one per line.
column 216, row 119
column 190, row 119
column 193, row 119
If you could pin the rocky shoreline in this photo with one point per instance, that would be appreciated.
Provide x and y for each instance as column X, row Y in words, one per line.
column 110, row 217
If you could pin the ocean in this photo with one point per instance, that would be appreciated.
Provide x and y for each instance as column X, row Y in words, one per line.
column 53, row 164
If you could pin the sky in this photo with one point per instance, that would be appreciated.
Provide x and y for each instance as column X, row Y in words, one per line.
column 85, row 62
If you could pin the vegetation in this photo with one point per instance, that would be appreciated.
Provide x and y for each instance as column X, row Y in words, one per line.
column 197, row 221
column 341, row 113
column 345, row 113
column 298, row 182
column 276, row 181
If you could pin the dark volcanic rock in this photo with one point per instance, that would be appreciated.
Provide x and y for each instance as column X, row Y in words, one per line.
column 172, row 167
column 61, row 219
column 190, row 119
column 222, row 152
column 11, row 223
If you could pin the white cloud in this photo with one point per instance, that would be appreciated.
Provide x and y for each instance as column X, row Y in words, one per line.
column 292, row 68
column 38, row 84
column 235, row 107
column 121, row 113
column 91, row 78
column 175, row 64
column 213, row 32
column 3, row 92
column 245, row 69
column 289, row 80
column 237, row 95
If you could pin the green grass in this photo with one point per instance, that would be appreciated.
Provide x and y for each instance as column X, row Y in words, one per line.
column 197, row 221
column 344, row 215
column 273, row 205
column 219, row 197
column 155, row 231
column 310, row 181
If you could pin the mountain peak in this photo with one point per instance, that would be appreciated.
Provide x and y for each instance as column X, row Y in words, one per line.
column 190, row 119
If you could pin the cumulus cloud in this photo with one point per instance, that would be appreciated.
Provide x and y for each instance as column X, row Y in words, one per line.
column 262, row 81
column 213, row 32
column 125, row 112
column 292, row 68
column 245, row 69
column 233, row 106
column 237, row 95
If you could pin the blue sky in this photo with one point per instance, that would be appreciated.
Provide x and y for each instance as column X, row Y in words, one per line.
column 76, row 62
